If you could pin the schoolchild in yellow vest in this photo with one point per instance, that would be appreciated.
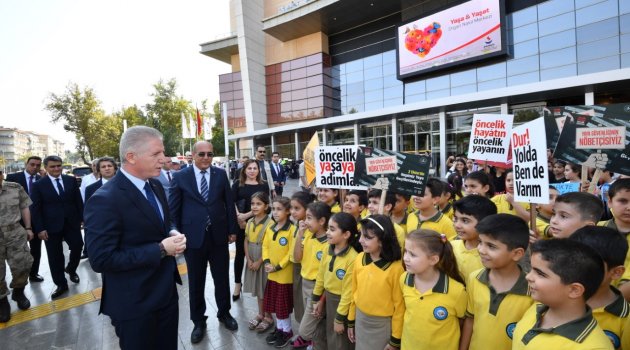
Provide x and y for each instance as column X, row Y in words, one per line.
column 505, row 202
column 619, row 201
column 255, row 275
column 445, row 204
column 544, row 213
column 564, row 274
column 498, row 294
column 330, row 196
column 433, row 291
column 299, row 201
column 377, row 304
column 310, row 255
column 334, row 279
column 610, row 309
column 279, row 290
column 374, row 200
column 399, row 213
column 469, row 211
column 355, row 203
column 478, row 182
column 427, row 216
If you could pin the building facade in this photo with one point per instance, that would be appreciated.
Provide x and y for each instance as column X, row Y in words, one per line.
column 16, row 145
column 329, row 66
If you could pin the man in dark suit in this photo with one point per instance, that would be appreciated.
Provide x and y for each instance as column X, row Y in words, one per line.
column 277, row 172
column 106, row 168
column 57, row 212
column 166, row 175
column 203, row 209
column 127, row 222
column 26, row 178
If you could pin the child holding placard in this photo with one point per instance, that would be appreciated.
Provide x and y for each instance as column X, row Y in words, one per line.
column 505, row 202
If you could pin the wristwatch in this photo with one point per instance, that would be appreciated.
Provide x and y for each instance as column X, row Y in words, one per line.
column 162, row 251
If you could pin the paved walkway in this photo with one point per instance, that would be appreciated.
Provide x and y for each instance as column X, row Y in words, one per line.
column 74, row 323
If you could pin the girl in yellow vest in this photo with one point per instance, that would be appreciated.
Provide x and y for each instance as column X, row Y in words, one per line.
column 330, row 196
column 299, row 201
column 433, row 291
column 255, row 276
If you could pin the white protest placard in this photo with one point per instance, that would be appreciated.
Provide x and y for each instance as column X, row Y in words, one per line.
column 529, row 162
column 381, row 165
column 600, row 138
column 490, row 137
column 334, row 167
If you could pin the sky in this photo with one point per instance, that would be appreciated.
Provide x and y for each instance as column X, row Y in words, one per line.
column 120, row 49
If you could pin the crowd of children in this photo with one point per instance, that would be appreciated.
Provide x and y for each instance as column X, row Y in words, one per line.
column 457, row 268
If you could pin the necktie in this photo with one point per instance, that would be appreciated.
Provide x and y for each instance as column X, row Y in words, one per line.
column 168, row 174
column 59, row 187
column 30, row 182
column 152, row 200
column 204, row 186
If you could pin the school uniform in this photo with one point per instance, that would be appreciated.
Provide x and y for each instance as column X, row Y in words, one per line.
column 580, row 334
column 298, row 302
column 313, row 252
column 377, row 308
column 255, row 281
column 403, row 222
column 625, row 278
column 504, row 207
column 432, row 318
column 614, row 320
column 542, row 226
column 468, row 260
column 278, row 297
column 495, row 314
column 334, row 279
column 335, row 208
column 448, row 210
column 439, row 223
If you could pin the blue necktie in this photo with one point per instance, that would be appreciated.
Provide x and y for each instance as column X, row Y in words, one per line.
column 152, row 200
column 204, row 186
column 59, row 187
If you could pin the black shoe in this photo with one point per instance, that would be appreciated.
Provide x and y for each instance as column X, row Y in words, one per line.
column 271, row 338
column 61, row 290
column 22, row 301
column 36, row 278
column 229, row 322
column 236, row 297
column 283, row 339
column 5, row 310
column 74, row 277
column 198, row 332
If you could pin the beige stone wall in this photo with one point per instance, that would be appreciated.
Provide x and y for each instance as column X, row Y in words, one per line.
column 272, row 6
column 236, row 63
column 278, row 51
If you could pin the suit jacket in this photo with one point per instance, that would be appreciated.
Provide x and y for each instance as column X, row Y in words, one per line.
column 190, row 213
column 164, row 181
column 50, row 211
column 20, row 178
column 89, row 191
column 278, row 177
column 123, row 233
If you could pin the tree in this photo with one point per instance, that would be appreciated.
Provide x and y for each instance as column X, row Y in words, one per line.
column 165, row 112
column 79, row 110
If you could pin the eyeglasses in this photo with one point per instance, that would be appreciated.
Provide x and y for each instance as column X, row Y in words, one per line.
column 204, row 154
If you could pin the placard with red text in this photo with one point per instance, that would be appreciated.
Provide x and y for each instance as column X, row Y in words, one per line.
column 490, row 137
column 529, row 162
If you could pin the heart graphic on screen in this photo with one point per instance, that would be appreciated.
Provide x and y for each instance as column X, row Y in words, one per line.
column 420, row 42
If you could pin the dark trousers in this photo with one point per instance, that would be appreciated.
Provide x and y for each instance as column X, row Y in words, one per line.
column 56, row 259
column 239, row 256
column 217, row 254
column 279, row 190
column 156, row 330
column 36, row 252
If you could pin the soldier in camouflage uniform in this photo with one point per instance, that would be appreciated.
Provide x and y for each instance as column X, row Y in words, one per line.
column 14, row 205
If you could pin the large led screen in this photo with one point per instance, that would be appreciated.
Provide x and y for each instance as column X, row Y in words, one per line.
column 467, row 32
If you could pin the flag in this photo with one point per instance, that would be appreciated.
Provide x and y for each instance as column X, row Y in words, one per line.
column 199, row 123
column 192, row 127
column 185, row 128
column 207, row 129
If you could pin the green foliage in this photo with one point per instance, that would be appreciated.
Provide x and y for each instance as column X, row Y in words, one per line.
column 164, row 114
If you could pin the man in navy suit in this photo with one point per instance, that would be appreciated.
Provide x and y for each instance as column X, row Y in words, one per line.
column 127, row 225
column 166, row 175
column 277, row 172
column 57, row 213
column 203, row 209
column 26, row 178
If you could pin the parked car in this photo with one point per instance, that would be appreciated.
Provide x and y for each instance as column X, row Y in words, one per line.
column 80, row 172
